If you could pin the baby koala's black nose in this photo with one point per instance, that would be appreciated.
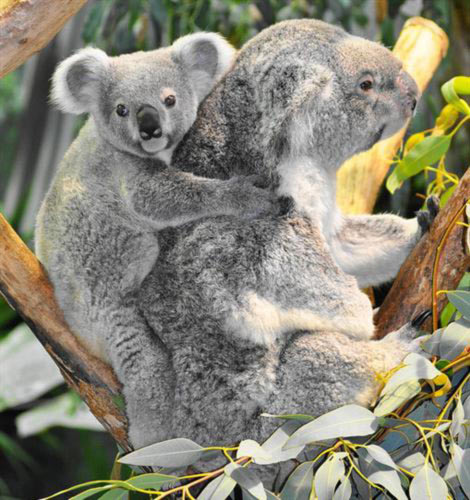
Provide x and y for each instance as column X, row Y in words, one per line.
column 148, row 121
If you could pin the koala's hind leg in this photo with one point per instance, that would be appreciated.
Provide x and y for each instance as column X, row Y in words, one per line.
column 144, row 368
column 321, row 371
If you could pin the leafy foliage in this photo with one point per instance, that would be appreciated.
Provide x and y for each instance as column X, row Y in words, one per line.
column 417, row 448
column 428, row 148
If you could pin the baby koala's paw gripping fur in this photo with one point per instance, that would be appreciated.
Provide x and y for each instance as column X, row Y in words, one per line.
column 426, row 217
column 248, row 199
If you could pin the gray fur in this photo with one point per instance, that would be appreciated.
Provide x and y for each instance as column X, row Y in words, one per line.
column 97, row 230
column 289, row 111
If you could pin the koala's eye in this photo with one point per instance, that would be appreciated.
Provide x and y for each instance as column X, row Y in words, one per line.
column 366, row 84
column 121, row 110
column 170, row 100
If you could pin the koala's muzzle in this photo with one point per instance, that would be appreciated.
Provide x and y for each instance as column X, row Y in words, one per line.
column 408, row 86
column 148, row 121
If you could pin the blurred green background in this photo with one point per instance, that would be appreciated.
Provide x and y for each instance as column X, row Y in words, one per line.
column 48, row 439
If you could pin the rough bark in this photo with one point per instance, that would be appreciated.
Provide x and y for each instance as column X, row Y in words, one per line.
column 421, row 47
column 26, row 26
column 24, row 284
column 412, row 291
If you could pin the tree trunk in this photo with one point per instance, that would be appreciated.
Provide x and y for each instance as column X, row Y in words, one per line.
column 27, row 25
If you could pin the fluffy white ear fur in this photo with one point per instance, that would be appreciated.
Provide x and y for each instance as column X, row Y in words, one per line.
column 76, row 81
column 206, row 57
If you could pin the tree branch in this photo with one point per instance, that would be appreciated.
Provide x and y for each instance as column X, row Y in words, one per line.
column 24, row 284
column 26, row 26
column 412, row 291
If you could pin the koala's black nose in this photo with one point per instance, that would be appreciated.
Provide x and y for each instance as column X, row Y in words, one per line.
column 148, row 121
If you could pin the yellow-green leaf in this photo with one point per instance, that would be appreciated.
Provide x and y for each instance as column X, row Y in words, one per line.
column 447, row 117
column 455, row 86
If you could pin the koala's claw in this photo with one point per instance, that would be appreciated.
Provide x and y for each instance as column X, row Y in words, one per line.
column 418, row 320
column 426, row 217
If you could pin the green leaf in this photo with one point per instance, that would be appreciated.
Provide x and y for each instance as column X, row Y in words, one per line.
column 349, row 420
column 383, row 471
column 344, row 491
column 301, row 418
column 458, row 417
column 178, row 452
column 461, row 461
column 396, row 397
column 153, row 480
column 60, row 411
column 274, row 444
column 218, row 489
column 247, row 479
column 250, row 448
column 416, row 367
column 299, row 483
column 115, row 494
column 328, row 475
column 461, row 300
column 91, row 492
column 455, row 86
column 26, row 370
column 428, row 485
column 428, row 151
column 412, row 463
column 455, row 338
column 249, row 496
column 447, row 117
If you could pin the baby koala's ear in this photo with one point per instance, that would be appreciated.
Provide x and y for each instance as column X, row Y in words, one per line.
column 76, row 81
column 206, row 57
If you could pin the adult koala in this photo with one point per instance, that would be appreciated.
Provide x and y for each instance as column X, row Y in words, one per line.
column 267, row 315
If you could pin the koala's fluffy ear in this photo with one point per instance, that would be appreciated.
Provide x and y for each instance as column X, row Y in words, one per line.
column 75, row 84
column 206, row 57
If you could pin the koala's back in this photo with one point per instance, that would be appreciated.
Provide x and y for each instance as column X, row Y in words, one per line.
column 87, row 238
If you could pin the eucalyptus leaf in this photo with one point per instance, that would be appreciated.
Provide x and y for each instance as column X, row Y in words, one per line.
column 431, row 345
column 153, row 480
column 349, row 420
column 247, row 479
column 269, row 495
column 218, row 489
column 115, row 494
column 450, row 89
column 461, row 300
column 424, row 153
column 299, row 417
column 60, row 411
column 26, row 370
column 91, row 492
column 461, row 461
column 380, row 455
column 458, row 417
column 455, row 338
column 178, row 452
column 274, row 444
column 428, row 485
column 377, row 472
column 250, row 448
column 299, row 484
column 328, row 475
column 344, row 490
column 392, row 399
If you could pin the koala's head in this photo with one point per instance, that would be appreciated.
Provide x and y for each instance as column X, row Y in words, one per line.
column 145, row 102
column 324, row 92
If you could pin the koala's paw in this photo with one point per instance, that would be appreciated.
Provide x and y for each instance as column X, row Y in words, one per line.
column 250, row 200
column 409, row 334
column 426, row 217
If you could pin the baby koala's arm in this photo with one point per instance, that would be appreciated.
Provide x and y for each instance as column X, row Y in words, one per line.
column 373, row 247
column 172, row 197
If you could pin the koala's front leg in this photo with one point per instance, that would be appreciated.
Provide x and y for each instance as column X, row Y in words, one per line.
column 143, row 366
column 372, row 248
column 172, row 198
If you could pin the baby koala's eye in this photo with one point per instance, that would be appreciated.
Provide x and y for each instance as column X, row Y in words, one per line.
column 121, row 110
column 366, row 84
column 170, row 100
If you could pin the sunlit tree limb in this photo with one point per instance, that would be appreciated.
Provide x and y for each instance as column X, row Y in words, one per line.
column 26, row 26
